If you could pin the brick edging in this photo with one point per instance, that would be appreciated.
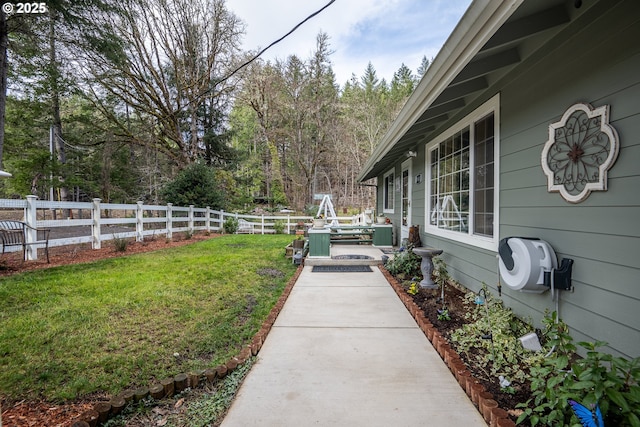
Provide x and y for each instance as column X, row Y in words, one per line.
column 481, row 398
column 103, row 410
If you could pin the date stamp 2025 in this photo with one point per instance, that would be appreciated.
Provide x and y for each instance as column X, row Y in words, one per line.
column 24, row 8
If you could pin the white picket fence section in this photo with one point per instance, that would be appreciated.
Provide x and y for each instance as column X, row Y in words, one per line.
column 95, row 222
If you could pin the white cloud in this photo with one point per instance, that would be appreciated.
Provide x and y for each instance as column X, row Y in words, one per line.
column 386, row 33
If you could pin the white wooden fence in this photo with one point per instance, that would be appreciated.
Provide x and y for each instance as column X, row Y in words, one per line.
column 96, row 222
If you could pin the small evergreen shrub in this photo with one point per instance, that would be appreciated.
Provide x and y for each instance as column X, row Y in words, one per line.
column 278, row 226
column 230, row 225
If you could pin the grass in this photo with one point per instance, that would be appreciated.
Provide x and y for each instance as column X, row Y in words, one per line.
column 203, row 407
column 70, row 331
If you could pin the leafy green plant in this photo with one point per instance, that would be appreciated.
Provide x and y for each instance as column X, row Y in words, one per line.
column 278, row 226
column 490, row 339
column 597, row 379
column 230, row 225
column 404, row 263
column 444, row 314
column 440, row 273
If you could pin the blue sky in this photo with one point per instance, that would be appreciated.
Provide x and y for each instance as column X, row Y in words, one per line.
column 385, row 32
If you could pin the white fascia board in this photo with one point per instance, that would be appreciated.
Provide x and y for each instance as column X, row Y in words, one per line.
column 478, row 24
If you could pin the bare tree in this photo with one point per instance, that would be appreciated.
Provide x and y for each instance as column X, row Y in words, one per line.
column 170, row 70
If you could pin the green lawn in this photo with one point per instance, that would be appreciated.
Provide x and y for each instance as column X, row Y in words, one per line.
column 104, row 326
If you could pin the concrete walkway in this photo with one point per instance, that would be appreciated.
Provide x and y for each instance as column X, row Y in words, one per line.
column 344, row 351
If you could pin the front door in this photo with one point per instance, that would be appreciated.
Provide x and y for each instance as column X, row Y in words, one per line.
column 405, row 197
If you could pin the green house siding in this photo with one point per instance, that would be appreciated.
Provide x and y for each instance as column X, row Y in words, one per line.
column 597, row 63
column 601, row 234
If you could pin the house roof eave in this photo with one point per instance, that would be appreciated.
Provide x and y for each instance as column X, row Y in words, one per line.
column 479, row 23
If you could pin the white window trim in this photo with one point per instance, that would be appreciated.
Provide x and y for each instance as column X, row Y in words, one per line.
column 392, row 195
column 490, row 243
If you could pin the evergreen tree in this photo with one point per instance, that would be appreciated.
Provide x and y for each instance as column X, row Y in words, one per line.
column 195, row 185
column 402, row 85
column 424, row 65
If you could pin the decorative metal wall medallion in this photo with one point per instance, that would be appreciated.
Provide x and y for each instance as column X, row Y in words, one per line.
column 581, row 148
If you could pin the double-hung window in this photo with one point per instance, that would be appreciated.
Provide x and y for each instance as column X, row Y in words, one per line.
column 388, row 192
column 462, row 193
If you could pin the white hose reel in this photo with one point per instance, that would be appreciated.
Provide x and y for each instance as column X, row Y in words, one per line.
column 531, row 265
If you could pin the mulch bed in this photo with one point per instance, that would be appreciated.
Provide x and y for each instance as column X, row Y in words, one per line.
column 429, row 302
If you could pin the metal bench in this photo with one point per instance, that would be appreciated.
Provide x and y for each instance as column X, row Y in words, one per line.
column 16, row 233
column 245, row 226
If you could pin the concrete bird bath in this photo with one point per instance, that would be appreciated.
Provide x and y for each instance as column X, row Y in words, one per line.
column 426, row 266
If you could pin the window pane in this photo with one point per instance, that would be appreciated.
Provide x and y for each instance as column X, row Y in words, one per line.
column 453, row 183
column 388, row 191
column 483, row 177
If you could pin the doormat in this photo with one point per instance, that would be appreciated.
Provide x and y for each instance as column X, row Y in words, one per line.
column 351, row 257
column 341, row 269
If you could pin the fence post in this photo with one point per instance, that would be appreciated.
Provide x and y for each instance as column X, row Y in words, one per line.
column 262, row 223
column 169, row 221
column 169, row 233
column 31, row 217
column 288, row 224
column 190, row 222
column 139, row 222
column 207, row 223
column 96, row 242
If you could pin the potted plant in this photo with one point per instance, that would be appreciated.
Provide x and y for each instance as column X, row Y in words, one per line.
column 298, row 242
column 381, row 219
column 318, row 222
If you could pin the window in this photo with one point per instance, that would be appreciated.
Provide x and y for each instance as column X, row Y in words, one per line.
column 405, row 198
column 483, row 177
column 388, row 190
column 450, row 183
column 462, row 193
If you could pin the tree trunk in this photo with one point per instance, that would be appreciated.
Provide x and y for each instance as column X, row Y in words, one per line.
column 4, row 40
column 54, row 75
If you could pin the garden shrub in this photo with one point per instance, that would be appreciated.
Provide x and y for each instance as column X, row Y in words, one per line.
column 120, row 243
column 278, row 226
column 601, row 379
column 404, row 264
column 195, row 185
column 230, row 225
column 503, row 354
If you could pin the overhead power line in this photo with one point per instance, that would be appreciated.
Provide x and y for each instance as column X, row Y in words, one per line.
column 256, row 56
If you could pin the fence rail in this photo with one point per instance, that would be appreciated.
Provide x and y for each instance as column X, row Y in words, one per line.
column 95, row 222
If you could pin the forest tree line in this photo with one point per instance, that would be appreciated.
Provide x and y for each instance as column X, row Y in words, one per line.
column 128, row 100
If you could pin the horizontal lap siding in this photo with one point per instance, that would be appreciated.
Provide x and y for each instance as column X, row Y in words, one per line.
column 601, row 234
column 418, row 190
